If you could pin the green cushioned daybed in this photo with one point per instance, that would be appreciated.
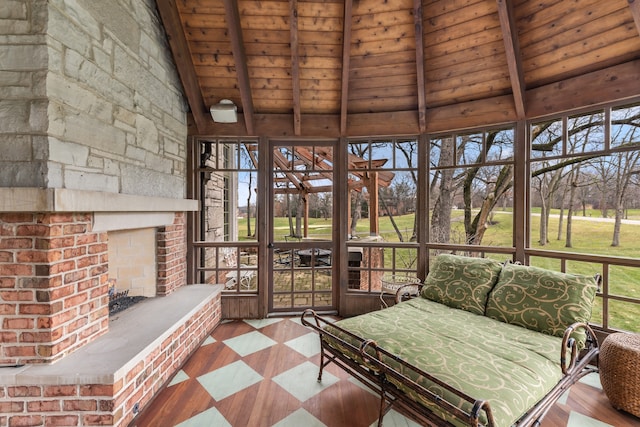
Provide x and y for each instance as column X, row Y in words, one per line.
column 483, row 343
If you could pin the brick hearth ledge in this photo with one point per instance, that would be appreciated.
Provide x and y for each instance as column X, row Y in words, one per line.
column 109, row 380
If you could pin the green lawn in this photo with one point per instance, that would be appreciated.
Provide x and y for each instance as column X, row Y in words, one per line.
column 589, row 236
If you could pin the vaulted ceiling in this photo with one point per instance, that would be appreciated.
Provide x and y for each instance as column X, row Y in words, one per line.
column 367, row 67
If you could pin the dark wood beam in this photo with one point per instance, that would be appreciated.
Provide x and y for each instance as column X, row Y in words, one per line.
column 512, row 51
column 295, row 65
column 422, row 102
column 634, row 5
column 240, row 59
column 617, row 83
column 180, row 49
column 346, row 65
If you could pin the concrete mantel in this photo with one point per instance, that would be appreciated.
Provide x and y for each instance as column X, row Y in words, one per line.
column 66, row 200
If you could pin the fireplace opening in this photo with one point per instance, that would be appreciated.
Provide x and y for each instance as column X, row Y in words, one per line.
column 132, row 267
column 120, row 300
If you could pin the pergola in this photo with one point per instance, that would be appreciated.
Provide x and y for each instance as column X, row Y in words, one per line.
column 297, row 180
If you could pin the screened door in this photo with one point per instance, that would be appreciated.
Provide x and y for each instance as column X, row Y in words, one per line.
column 301, row 227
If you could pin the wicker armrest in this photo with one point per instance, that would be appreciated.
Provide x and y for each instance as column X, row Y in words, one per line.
column 408, row 291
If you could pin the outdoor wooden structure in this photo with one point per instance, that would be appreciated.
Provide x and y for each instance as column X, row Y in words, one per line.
column 373, row 67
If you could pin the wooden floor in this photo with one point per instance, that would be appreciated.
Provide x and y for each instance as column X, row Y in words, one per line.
column 262, row 373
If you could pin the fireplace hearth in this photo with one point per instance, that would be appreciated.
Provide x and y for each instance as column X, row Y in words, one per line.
column 120, row 301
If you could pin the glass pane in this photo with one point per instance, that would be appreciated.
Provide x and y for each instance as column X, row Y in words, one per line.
column 406, row 154
column 282, row 301
column 499, row 145
column 584, row 204
column 282, row 281
column 469, row 149
column 583, row 268
column 543, row 262
column 585, row 133
column 227, row 155
column 248, row 156
column 486, row 194
column 624, row 315
column 625, row 125
column 322, row 299
column 441, row 152
column 383, row 197
column 623, row 281
column 546, row 139
column 359, row 154
column 382, row 155
column 303, row 281
column 597, row 312
column 303, row 193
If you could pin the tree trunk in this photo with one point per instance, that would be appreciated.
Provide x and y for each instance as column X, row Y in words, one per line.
column 543, row 221
column 573, row 182
column 393, row 221
column 249, row 207
column 290, row 215
column 356, row 212
column 441, row 217
column 440, row 230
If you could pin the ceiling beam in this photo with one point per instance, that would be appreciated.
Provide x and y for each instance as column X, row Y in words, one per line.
column 613, row 84
column 240, row 59
column 180, row 49
column 422, row 101
column 346, row 65
column 295, row 65
column 634, row 5
column 512, row 51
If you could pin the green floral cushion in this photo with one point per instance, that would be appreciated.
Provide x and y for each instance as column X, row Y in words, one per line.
column 541, row 300
column 511, row 367
column 461, row 282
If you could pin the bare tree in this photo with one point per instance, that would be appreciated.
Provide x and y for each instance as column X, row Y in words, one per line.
column 443, row 181
column 627, row 163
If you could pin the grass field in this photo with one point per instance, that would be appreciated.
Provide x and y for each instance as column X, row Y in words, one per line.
column 589, row 236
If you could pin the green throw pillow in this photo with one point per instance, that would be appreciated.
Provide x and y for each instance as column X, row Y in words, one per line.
column 461, row 282
column 542, row 300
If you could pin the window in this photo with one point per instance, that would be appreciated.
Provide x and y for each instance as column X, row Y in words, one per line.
column 382, row 181
column 227, row 247
column 471, row 188
column 585, row 205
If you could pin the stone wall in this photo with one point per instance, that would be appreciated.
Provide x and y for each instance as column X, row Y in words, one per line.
column 89, row 99
column 23, row 103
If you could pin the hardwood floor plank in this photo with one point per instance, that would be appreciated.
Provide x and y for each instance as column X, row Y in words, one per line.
column 286, row 364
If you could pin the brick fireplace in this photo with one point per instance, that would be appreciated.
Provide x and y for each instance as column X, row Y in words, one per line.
column 65, row 361
column 93, row 147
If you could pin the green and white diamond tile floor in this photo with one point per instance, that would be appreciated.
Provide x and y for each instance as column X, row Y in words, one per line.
column 263, row 373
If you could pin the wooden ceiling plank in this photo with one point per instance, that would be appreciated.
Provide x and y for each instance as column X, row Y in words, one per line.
column 346, row 65
column 186, row 70
column 239, row 56
column 295, row 65
column 420, row 76
column 512, row 51
column 634, row 5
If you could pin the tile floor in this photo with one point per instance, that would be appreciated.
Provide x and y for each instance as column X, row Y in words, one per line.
column 237, row 376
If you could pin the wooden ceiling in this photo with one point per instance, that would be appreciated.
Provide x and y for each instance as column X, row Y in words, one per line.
column 318, row 68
